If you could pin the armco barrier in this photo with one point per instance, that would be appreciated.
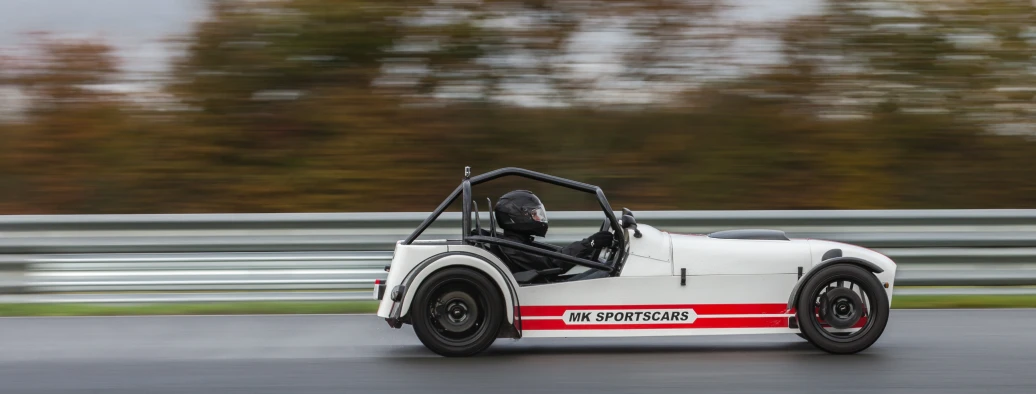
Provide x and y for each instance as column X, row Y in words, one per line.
column 131, row 258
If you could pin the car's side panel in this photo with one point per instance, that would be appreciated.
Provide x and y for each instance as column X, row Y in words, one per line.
column 702, row 255
column 643, row 266
column 658, row 333
column 658, row 306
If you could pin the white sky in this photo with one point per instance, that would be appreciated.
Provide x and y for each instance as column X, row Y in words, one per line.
column 135, row 27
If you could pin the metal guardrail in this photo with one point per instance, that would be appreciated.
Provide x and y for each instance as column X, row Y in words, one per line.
column 210, row 257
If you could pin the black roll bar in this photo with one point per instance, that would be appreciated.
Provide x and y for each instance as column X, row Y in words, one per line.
column 464, row 191
column 549, row 253
column 465, row 221
column 467, row 183
column 435, row 215
column 539, row 176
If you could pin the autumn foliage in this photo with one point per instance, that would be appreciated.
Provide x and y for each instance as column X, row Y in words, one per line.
column 320, row 106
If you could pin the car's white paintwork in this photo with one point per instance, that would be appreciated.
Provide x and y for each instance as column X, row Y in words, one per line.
column 702, row 255
column 652, row 244
column 818, row 247
column 404, row 259
column 643, row 266
column 658, row 290
column 727, row 281
column 409, row 258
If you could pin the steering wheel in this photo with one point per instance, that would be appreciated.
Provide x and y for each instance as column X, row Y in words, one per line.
column 605, row 226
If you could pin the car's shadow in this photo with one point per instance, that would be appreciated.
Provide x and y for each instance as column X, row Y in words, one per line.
column 632, row 348
column 575, row 347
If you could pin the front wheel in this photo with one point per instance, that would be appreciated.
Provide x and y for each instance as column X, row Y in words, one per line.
column 457, row 312
column 843, row 309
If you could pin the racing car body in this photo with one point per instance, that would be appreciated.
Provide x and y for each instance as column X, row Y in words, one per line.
column 461, row 294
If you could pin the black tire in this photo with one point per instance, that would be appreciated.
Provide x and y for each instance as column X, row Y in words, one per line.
column 876, row 304
column 457, row 312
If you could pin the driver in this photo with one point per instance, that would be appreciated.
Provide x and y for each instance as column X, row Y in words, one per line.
column 522, row 216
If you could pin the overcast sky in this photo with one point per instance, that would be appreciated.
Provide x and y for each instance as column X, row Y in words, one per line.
column 135, row 27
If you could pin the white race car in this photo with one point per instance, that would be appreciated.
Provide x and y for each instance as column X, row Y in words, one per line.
column 460, row 294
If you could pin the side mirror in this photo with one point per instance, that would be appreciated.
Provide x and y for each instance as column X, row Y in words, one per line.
column 629, row 222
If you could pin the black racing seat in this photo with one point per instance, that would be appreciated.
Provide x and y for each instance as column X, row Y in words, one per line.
column 521, row 273
column 527, row 274
column 757, row 234
column 496, row 251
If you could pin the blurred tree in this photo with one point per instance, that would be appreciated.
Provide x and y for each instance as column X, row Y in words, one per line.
column 557, row 53
column 912, row 91
column 285, row 89
column 74, row 152
column 366, row 105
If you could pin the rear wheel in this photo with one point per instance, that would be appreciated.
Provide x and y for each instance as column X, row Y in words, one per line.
column 843, row 309
column 457, row 312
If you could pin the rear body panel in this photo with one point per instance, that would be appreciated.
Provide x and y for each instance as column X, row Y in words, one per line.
column 412, row 264
column 404, row 259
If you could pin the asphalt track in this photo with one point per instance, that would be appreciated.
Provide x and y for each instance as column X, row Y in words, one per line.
column 962, row 351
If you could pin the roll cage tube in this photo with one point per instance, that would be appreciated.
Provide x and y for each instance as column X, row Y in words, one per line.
column 465, row 220
column 533, row 249
column 431, row 218
column 464, row 191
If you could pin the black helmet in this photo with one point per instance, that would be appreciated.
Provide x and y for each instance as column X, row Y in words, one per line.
column 521, row 212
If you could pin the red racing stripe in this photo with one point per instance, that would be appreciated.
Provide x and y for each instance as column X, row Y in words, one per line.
column 700, row 309
column 719, row 322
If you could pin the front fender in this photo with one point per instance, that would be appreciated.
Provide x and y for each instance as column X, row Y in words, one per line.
column 865, row 264
column 416, row 277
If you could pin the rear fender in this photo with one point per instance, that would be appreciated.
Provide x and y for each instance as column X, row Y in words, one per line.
column 422, row 271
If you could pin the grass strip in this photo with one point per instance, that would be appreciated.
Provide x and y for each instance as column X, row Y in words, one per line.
column 211, row 308
column 963, row 301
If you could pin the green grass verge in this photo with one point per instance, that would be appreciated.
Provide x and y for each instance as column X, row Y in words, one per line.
column 214, row 308
column 964, row 301
column 245, row 308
